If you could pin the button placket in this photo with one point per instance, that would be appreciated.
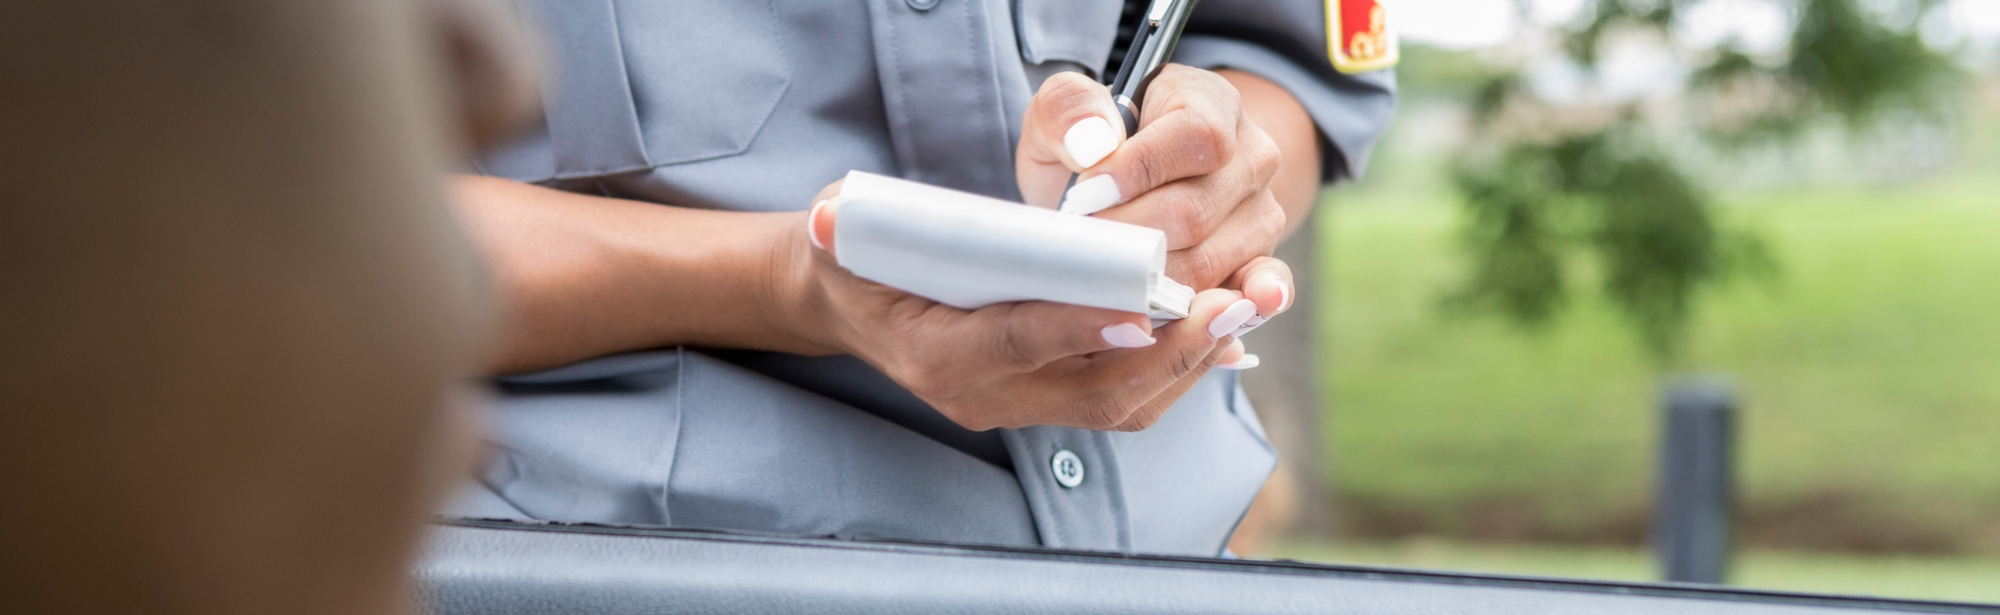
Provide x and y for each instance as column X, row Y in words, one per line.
column 1071, row 479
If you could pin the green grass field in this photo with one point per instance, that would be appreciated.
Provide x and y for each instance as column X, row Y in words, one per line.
column 1869, row 376
column 1970, row 579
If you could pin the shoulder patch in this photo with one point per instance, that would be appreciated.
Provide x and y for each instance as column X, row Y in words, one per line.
column 1358, row 35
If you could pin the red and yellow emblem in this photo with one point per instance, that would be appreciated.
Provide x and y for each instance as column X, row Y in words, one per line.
column 1359, row 36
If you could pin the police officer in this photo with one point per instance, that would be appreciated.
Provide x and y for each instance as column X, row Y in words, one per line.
column 682, row 351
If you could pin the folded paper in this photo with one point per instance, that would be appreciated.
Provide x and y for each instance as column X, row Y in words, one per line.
column 970, row 251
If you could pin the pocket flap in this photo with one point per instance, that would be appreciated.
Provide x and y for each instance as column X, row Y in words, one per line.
column 1076, row 31
column 638, row 84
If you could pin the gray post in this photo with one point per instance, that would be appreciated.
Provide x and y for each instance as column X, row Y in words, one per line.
column 1691, row 516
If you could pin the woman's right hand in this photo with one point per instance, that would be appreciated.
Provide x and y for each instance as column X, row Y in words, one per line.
column 1011, row 364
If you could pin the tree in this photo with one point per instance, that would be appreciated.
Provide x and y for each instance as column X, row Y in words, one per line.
column 1546, row 184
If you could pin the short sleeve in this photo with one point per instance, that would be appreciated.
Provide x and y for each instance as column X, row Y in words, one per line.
column 1285, row 41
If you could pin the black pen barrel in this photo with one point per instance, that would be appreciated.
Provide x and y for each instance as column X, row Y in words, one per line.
column 1153, row 45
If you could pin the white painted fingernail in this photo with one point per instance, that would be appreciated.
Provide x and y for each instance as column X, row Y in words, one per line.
column 1127, row 335
column 1249, row 325
column 1246, row 362
column 1230, row 319
column 812, row 224
column 1091, row 196
column 1090, row 140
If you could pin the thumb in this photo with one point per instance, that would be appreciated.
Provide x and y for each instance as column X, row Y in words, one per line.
column 1071, row 125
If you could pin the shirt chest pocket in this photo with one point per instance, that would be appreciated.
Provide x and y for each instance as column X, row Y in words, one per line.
column 637, row 84
column 1080, row 32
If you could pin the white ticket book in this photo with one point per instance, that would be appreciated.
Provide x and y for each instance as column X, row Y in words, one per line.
column 969, row 251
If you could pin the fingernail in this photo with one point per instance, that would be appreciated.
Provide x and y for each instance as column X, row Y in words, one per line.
column 1090, row 140
column 1091, row 196
column 812, row 224
column 1249, row 325
column 1227, row 322
column 1246, row 362
column 1127, row 335
column 1284, row 290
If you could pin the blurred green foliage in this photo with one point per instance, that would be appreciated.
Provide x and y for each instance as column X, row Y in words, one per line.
column 1592, row 179
column 1640, row 215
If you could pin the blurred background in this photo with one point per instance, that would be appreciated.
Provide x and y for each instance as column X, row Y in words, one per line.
column 1585, row 200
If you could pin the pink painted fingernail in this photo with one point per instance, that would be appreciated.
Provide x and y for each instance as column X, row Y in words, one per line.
column 1226, row 323
column 1246, row 362
column 1091, row 196
column 1127, row 335
column 1271, row 278
column 812, row 224
column 1090, row 140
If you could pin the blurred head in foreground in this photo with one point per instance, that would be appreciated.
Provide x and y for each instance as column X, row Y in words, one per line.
column 237, row 316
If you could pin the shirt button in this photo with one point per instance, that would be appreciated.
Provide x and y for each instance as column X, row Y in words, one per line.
column 1068, row 469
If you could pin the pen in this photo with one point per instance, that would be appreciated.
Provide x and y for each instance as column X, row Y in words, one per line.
column 1152, row 45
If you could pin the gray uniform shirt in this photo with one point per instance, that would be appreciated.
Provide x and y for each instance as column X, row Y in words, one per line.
column 754, row 105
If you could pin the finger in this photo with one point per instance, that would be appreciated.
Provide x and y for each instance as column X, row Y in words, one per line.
column 1232, row 354
column 1071, row 125
column 1158, row 406
column 1252, row 230
column 1266, row 281
column 1238, row 358
column 1188, row 127
column 1118, row 384
column 1189, row 210
column 1023, row 337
